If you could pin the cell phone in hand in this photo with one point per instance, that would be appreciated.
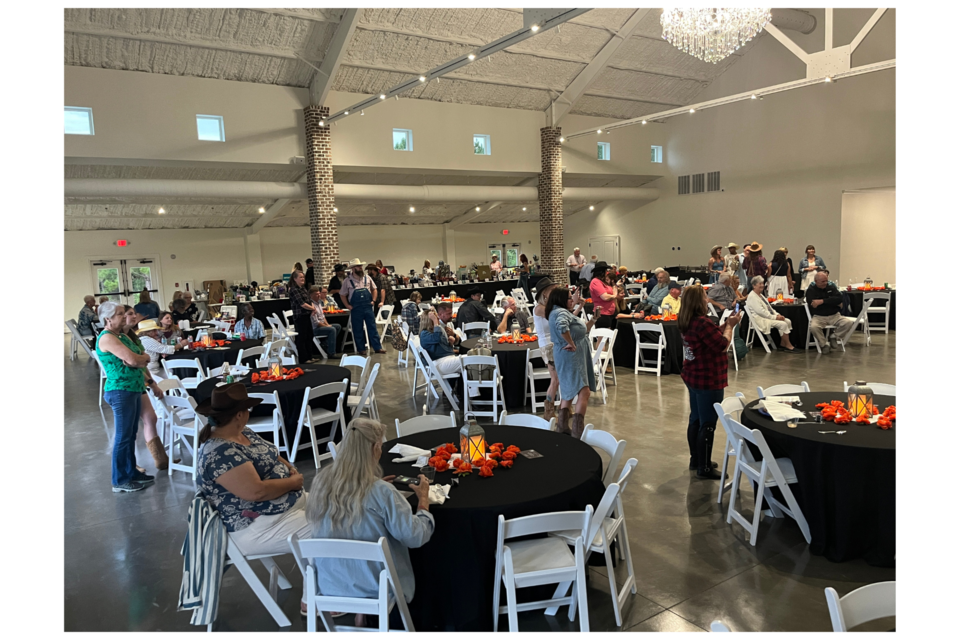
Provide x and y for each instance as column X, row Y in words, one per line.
column 736, row 309
column 404, row 481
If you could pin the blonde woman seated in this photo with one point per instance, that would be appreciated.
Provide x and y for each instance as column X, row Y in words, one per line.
column 351, row 500
column 764, row 318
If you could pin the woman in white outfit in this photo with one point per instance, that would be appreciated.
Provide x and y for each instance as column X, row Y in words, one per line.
column 764, row 318
column 780, row 279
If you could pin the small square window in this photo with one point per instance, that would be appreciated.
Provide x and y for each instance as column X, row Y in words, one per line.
column 402, row 140
column 78, row 121
column 603, row 151
column 210, row 128
column 481, row 144
column 656, row 154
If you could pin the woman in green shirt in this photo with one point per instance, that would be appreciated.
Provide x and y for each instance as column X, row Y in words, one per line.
column 124, row 363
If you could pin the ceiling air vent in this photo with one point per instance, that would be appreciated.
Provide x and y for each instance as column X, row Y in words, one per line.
column 698, row 183
column 683, row 185
column 713, row 181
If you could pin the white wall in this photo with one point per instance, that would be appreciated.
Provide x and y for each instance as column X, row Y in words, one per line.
column 868, row 236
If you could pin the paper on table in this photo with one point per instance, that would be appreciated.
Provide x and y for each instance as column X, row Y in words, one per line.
column 784, row 399
column 439, row 493
column 781, row 412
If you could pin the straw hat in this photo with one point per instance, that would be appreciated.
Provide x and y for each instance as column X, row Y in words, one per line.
column 148, row 325
column 733, row 245
column 755, row 246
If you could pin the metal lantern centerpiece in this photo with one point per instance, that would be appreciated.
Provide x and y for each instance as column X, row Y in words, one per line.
column 860, row 400
column 473, row 445
column 273, row 367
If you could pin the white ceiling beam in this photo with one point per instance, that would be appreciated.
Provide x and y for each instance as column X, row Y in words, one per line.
column 265, row 218
column 242, row 219
column 865, row 31
column 481, row 52
column 323, row 77
column 792, row 46
column 828, row 29
column 614, row 96
column 473, row 214
column 748, row 95
column 286, row 13
column 560, row 107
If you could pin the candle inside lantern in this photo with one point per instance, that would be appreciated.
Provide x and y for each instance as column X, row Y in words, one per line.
column 860, row 400
column 779, row 295
column 274, row 367
column 516, row 335
column 207, row 340
column 473, row 445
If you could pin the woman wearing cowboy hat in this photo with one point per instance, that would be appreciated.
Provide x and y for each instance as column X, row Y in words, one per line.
column 715, row 264
column 756, row 264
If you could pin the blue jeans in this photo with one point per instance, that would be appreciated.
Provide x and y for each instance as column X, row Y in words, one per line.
column 702, row 424
column 360, row 315
column 329, row 335
column 126, row 419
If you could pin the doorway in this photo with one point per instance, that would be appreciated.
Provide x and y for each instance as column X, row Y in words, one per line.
column 606, row 248
column 123, row 280
column 508, row 254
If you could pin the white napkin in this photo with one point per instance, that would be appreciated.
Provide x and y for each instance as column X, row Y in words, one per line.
column 783, row 399
column 781, row 412
column 408, row 453
column 439, row 493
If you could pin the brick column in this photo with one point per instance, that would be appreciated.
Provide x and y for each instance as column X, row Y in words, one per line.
column 324, row 242
column 550, row 196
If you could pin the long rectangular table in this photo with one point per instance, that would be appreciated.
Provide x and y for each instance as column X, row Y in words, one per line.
column 489, row 290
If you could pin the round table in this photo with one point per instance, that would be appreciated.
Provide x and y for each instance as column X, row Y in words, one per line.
column 794, row 312
column 846, row 483
column 625, row 346
column 455, row 570
column 291, row 395
column 513, row 362
column 213, row 357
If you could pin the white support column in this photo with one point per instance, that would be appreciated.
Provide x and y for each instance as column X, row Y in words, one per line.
column 828, row 30
column 450, row 247
column 253, row 256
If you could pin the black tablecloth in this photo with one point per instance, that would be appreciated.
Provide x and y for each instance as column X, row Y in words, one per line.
column 625, row 347
column 795, row 313
column 455, row 570
column 291, row 396
column 489, row 290
column 212, row 358
column 263, row 309
column 846, row 483
column 856, row 305
column 513, row 361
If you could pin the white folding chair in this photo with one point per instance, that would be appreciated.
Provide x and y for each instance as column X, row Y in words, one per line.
column 476, row 326
column 103, row 376
column 530, row 563
column 307, row 552
column 732, row 407
column 234, row 368
column 169, row 366
column 363, row 364
column 443, row 381
column 266, row 595
column 185, row 424
column 271, row 424
column 77, row 339
column 752, row 331
column 812, row 341
column 382, row 320
column 419, row 367
column 534, row 374
column 769, row 473
column 228, row 311
column 311, row 417
column 884, row 309
column 425, row 423
column 366, row 402
column 527, row 420
column 319, row 346
column 286, row 361
column 495, row 385
column 250, row 352
column 288, row 320
column 732, row 349
column 611, row 336
column 879, row 388
column 497, row 298
column 348, row 339
column 284, row 331
column 659, row 346
column 607, row 525
column 332, row 447
column 607, row 443
column 870, row 602
column 201, row 315
column 783, row 389
column 597, row 363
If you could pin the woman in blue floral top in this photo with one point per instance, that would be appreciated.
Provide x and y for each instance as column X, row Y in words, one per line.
column 258, row 494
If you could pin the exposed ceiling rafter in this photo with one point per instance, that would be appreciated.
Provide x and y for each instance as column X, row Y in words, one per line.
column 269, row 215
column 323, row 78
column 473, row 214
column 286, row 13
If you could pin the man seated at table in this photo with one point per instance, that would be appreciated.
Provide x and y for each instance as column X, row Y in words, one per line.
column 87, row 317
column 474, row 310
column 825, row 300
column 321, row 328
column 652, row 281
column 722, row 294
column 511, row 312
column 671, row 302
column 658, row 293
column 248, row 325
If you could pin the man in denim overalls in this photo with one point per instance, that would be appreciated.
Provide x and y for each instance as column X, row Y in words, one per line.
column 358, row 293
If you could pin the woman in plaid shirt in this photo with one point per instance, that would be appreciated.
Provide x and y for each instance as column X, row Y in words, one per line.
column 705, row 374
column 410, row 313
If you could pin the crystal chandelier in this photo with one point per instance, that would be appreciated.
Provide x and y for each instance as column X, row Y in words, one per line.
column 712, row 34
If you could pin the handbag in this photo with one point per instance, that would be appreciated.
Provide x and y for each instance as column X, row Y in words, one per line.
column 396, row 336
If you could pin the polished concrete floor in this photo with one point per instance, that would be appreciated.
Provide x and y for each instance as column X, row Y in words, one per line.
column 122, row 551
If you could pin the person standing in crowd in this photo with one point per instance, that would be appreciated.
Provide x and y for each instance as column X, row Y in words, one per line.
column 383, row 269
column 731, row 261
column 764, row 318
column 542, row 328
column 248, row 324
column 510, row 313
column 742, row 273
column 309, row 278
column 791, row 274
column 572, row 358
column 658, row 293
column 810, row 266
column 321, row 328
column 604, row 297
column 302, row 307
column 296, row 267
column 123, row 363
column 756, row 264
column 474, row 310
column 825, row 299
column 383, row 286
column 147, row 307
column 715, row 264
column 410, row 312
column 179, row 311
column 358, row 293
column 86, row 317
column 150, row 339
column 495, row 266
column 672, row 301
column 427, row 271
column 575, row 263
column 350, row 499
column 722, row 294
column 336, row 282
column 704, row 373
column 525, row 276
column 780, row 276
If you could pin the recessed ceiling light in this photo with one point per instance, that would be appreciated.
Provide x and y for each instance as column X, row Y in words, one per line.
column 412, row 210
column 423, row 78
column 472, row 57
column 599, row 131
column 828, row 79
column 346, row 113
column 335, row 210
column 591, row 207
column 562, row 138
column 524, row 208
column 361, row 112
column 321, row 123
column 261, row 210
column 161, row 210
column 693, row 110
column 753, row 97
column 383, row 96
column 643, row 122
column 535, row 28
column 477, row 209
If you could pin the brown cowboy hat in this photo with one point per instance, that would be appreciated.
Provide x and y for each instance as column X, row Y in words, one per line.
column 755, row 246
column 227, row 400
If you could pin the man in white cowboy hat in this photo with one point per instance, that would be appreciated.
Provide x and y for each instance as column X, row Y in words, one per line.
column 149, row 332
column 731, row 261
column 358, row 292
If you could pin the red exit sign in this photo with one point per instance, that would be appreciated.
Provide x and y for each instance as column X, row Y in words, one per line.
column 121, row 243
column 505, row 232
